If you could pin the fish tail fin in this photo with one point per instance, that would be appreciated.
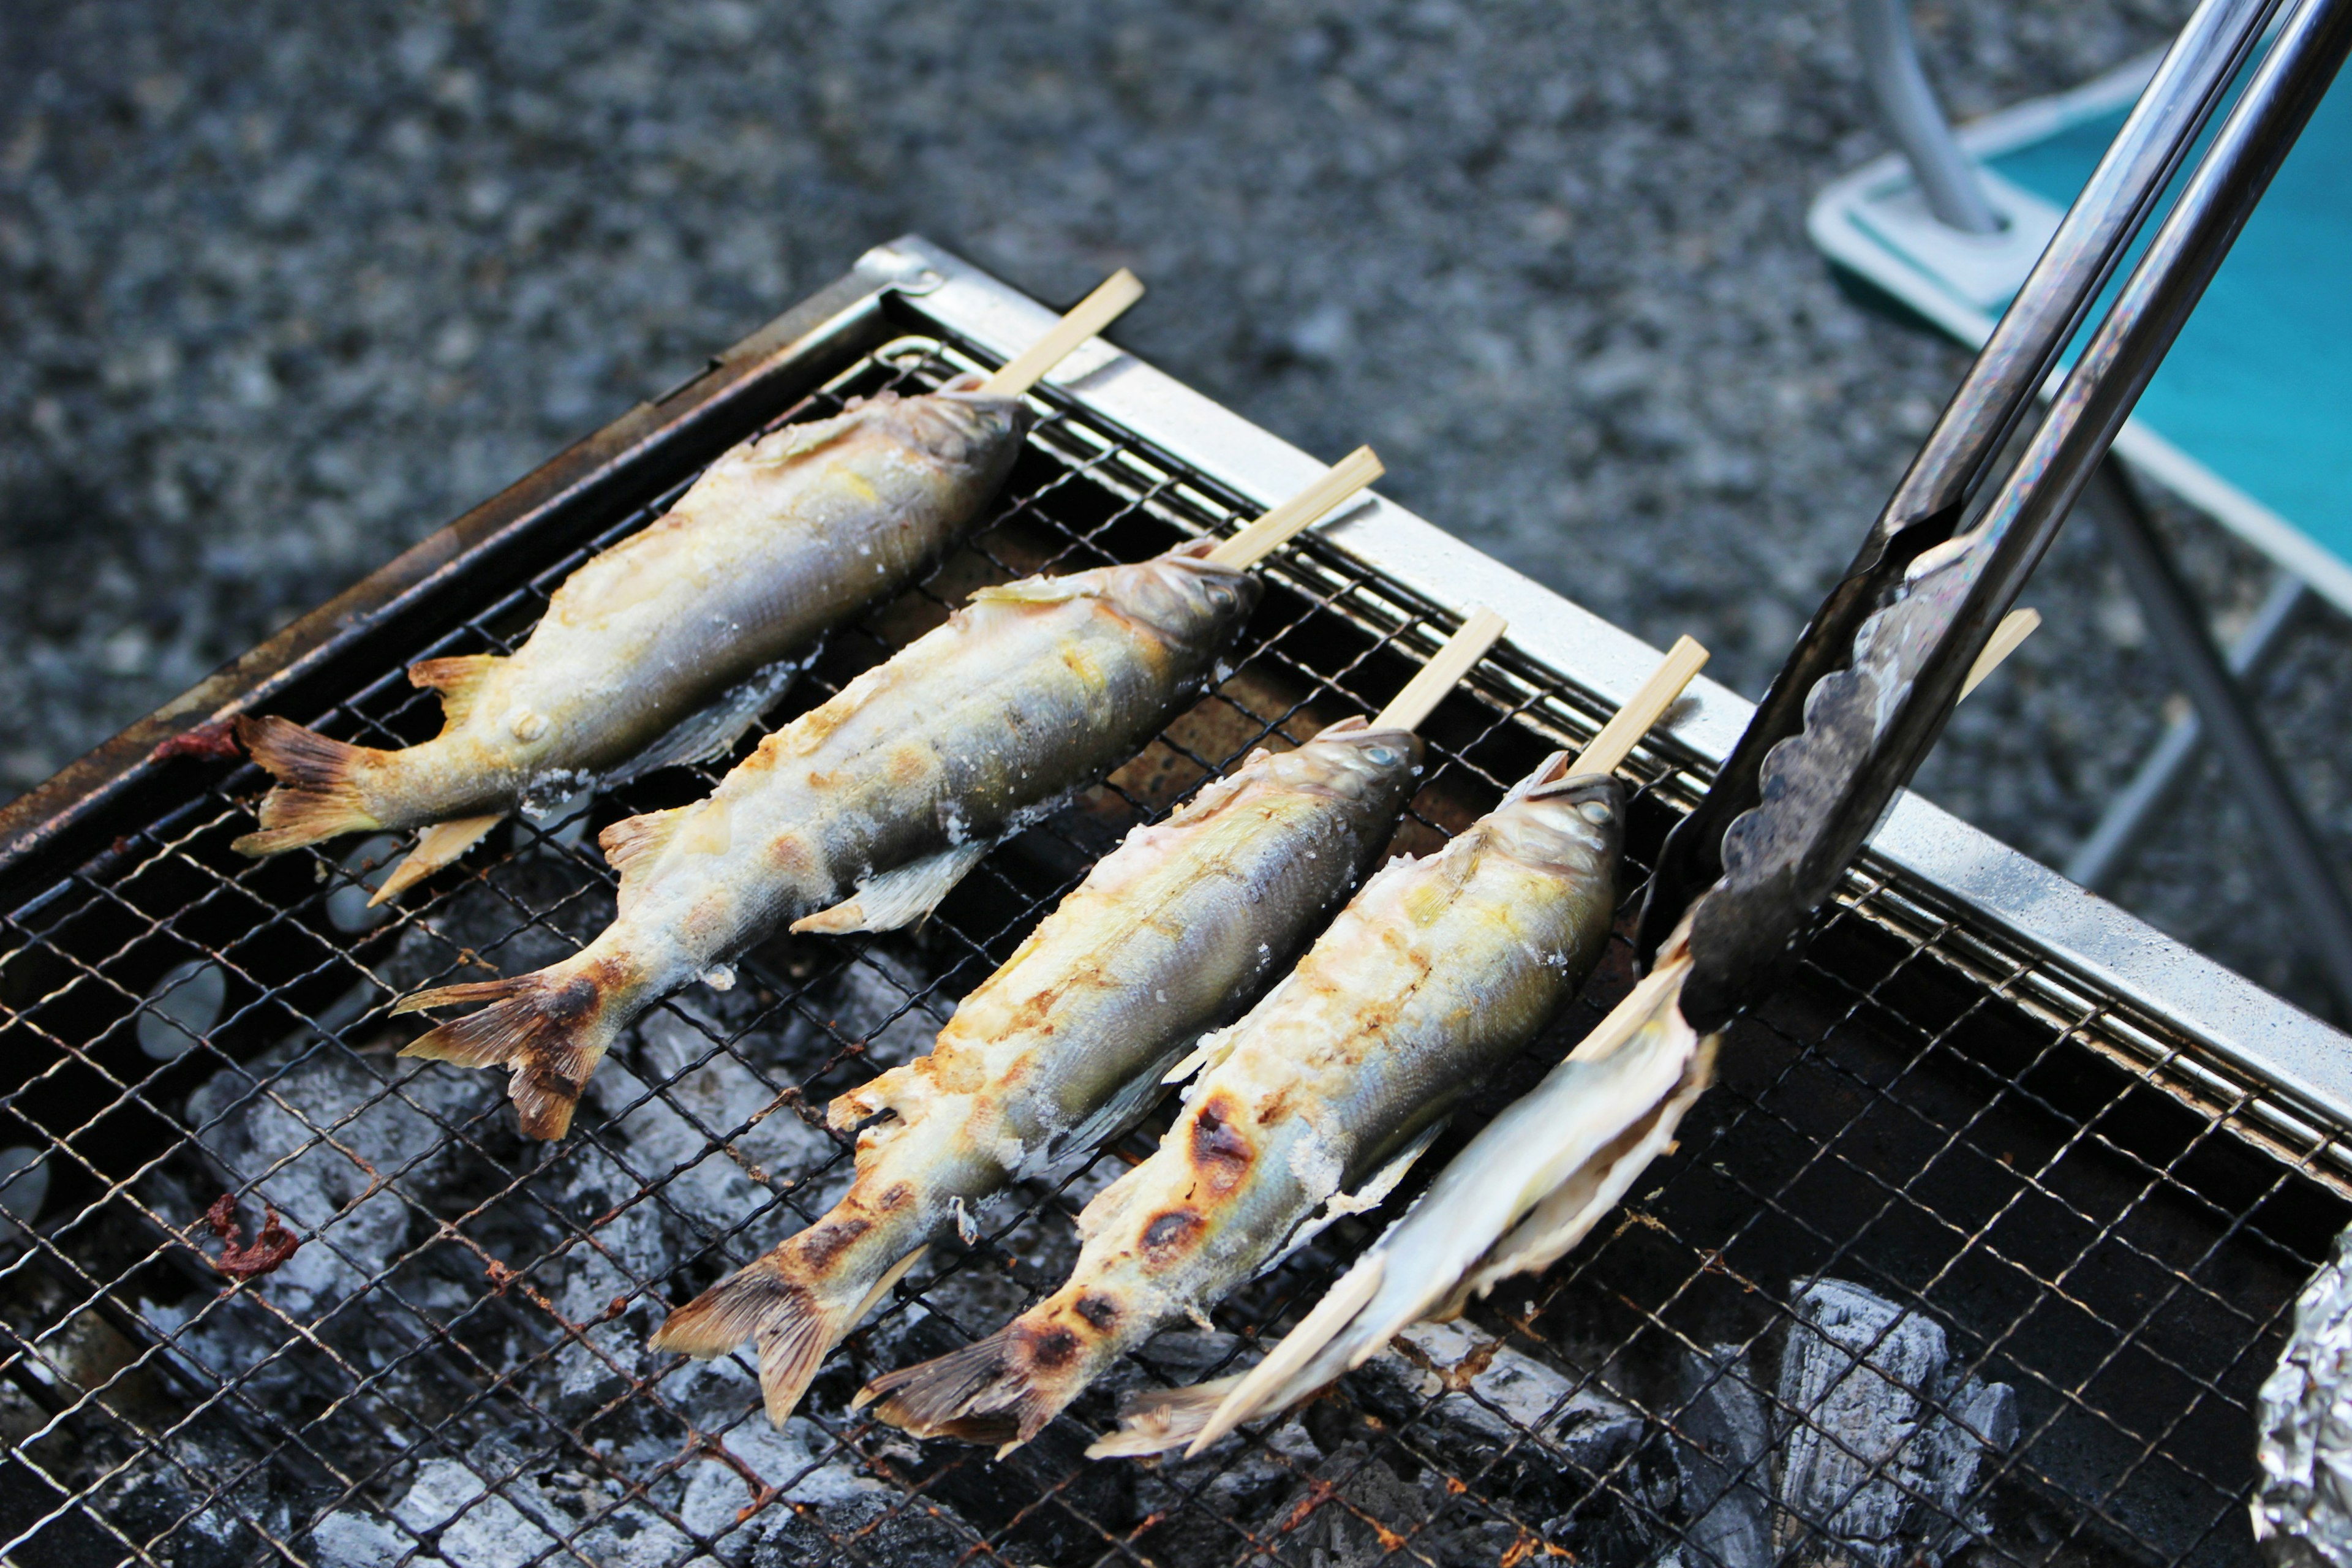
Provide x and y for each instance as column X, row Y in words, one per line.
column 318, row 795
column 1002, row 1389
column 1159, row 1419
column 795, row 1312
column 548, row 1029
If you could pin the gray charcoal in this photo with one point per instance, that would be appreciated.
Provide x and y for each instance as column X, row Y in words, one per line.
column 1722, row 1448
column 884, row 1530
column 1872, row 1470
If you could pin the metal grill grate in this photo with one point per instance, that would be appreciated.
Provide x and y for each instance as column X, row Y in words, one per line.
column 2051, row 1194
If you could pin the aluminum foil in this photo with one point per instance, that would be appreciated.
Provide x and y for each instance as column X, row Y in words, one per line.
column 2303, row 1508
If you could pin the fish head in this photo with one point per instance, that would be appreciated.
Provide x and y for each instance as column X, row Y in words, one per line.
column 1563, row 821
column 1194, row 605
column 1376, row 767
column 960, row 426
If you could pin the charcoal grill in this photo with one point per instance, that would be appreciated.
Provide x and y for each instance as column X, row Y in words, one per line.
column 2096, row 1165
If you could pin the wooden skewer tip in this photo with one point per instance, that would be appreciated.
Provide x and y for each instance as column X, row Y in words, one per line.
column 1086, row 318
column 1268, row 534
column 2014, row 629
column 1644, row 708
column 1427, row 688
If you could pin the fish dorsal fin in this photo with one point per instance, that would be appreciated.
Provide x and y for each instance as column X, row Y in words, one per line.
column 1038, row 591
column 796, row 441
column 711, row 731
column 458, row 678
column 900, row 897
column 634, row 841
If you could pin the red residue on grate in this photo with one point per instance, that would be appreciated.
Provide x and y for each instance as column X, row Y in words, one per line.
column 212, row 742
column 272, row 1247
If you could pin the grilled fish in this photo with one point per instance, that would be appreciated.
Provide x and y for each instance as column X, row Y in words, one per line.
column 862, row 814
column 1515, row 1200
column 780, row 539
column 1177, row 929
column 1313, row 1104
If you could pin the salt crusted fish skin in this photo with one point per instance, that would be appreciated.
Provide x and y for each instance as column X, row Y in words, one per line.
column 1438, row 970
column 1175, row 930
column 780, row 539
column 874, row 803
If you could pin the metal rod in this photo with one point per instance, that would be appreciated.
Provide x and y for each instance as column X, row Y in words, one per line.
column 1890, row 61
column 1927, row 506
column 2296, row 850
column 2101, row 855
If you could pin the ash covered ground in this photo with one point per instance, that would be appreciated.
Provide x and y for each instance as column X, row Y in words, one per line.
column 283, row 288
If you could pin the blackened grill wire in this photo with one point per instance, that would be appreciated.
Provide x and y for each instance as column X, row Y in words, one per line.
column 1124, row 485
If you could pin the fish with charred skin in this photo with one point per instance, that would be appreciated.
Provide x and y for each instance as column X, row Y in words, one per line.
column 863, row 812
column 1317, row 1100
column 780, row 539
column 1177, row 929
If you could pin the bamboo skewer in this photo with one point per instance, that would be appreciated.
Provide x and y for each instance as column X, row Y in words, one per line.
column 1426, row 690
column 1644, row 708
column 2014, row 629
column 1268, row 534
column 1088, row 317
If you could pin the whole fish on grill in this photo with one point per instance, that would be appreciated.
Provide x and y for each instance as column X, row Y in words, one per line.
column 780, row 539
column 1313, row 1104
column 1515, row 1200
column 1175, row 930
column 862, row 814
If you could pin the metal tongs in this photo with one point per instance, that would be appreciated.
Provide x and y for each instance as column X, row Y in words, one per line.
column 1870, row 685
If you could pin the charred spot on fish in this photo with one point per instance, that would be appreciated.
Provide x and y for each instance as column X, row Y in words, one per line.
column 821, row 1245
column 1169, row 1232
column 1054, row 1349
column 572, row 1001
column 1220, row 1153
column 1098, row 1309
column 898, row 1197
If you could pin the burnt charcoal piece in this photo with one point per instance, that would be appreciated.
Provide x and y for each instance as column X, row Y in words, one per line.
column 1482, row 1408
column 1887, row 1438
column 886, row 1531
column 1723, row 1451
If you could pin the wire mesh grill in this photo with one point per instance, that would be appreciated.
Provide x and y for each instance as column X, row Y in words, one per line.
column 1960, row 1258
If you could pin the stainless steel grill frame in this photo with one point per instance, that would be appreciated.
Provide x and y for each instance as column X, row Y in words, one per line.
column 2101, row 1162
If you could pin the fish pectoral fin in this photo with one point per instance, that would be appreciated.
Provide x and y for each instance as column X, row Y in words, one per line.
column 900, row 897
column 712, row 730
column 1035, row 591
column 457, row 677
column 436, row 847
column 634, row 840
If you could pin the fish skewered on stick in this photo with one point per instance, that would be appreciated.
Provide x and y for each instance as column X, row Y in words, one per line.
column 862, row 814
column 1520, row 1195
column 1174, row 932
column 664, row 648
column 1313, row 1105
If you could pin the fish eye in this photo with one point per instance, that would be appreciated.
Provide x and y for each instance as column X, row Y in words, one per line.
column 1594, row 812
column 1382, row 756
